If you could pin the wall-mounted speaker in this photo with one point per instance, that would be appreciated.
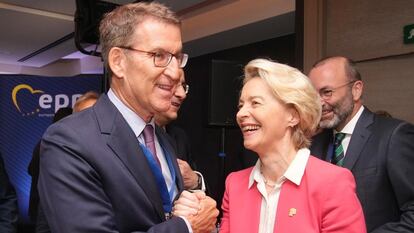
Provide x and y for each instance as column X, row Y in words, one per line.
column 88, row 15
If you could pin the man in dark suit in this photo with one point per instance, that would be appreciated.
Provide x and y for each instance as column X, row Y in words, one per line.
column 8, row 202
column 178, row 138
column 35, row 212
column 378, row 150
column 102, row 169
column 33, row 168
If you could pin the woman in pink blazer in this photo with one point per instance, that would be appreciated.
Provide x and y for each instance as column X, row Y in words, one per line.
column 287, row 191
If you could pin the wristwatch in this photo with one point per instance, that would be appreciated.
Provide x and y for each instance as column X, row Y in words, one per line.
column 199, row 181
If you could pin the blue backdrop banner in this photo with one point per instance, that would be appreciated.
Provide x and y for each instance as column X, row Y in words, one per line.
column 27, row 107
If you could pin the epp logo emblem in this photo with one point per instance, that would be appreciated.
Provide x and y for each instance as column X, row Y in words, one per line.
column 14, row 97
column 43, row 102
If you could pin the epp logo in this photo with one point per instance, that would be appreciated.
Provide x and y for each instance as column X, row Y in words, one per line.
column 44, row 102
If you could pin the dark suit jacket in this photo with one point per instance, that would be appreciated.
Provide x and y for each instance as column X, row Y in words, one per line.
column 33, row 171
column 178, row 138
column 94, row 176
column 35, row 211
column 381, row 157
column 8, row 202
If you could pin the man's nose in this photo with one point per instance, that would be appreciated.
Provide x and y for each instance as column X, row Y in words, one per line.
column 173, row 70
column 180, row 91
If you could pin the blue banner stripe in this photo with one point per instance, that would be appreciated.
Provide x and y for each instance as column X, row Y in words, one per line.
column 28, row 104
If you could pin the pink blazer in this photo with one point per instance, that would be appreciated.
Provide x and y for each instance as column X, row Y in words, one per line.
column 325, row 201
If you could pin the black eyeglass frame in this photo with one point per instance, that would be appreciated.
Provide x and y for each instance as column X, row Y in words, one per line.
column 182, row 58
column 326, row 93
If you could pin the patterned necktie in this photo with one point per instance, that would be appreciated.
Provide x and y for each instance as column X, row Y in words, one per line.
column 149, row 141
column 339, row 155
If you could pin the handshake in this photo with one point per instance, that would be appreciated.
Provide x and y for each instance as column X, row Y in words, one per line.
column 199, row 209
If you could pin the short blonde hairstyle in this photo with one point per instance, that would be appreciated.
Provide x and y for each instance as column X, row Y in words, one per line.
column 292, row 88
column 117, row 27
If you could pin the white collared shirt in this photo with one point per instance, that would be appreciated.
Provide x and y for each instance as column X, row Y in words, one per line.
column 137, row 125
column 349, row 129
column 293, row 173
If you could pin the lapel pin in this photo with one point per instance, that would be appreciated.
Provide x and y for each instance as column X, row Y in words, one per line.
column 292, row 212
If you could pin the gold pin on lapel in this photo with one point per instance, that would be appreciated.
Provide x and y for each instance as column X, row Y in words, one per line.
column 292, row 212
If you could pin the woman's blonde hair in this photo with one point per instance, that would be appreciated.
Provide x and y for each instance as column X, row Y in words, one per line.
column 293, row 89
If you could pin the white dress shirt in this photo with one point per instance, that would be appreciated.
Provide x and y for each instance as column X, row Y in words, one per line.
column 349, row 129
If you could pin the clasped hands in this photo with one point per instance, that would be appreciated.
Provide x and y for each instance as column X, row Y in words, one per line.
column 199, row 209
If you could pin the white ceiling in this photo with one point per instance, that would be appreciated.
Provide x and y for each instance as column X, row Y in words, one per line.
column 28, row 26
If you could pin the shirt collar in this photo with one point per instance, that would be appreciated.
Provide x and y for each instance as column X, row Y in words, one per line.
column 136, row 123
column 294, row 172
column 349, row 128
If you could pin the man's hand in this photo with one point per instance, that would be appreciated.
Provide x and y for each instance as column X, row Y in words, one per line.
column 188, row 204
column 205, row 220
column 189, row 176
column 199, row 209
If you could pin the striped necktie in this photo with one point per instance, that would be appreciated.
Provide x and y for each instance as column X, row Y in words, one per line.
column 339, row 155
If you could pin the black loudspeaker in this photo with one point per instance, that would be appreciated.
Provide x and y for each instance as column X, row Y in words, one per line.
column 88, row 15
column 225, row 84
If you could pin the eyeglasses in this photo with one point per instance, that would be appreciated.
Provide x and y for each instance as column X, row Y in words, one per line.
column 162, row 58
column 326, row 93
column 186, row 87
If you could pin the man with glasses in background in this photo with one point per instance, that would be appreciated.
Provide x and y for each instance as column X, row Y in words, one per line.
column 109, row 168
column 193, row 180
column 378, row 150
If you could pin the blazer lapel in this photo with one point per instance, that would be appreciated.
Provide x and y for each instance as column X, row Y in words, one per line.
column 291, row 199
column 253, row 204
column 167, row 145
column 358, row 139
column 248, row 209
column 124, row 144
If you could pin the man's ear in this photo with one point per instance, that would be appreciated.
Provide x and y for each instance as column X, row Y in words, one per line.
column 357, row 90
column 116, row 61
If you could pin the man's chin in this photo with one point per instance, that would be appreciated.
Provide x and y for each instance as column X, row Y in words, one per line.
column 328, row 123
column 161, row 107
column 170, row 115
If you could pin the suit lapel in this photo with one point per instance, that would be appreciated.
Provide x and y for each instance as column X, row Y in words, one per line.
column 167, row 145
column 124, row 144
column 320, row 144
column 359, row 137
